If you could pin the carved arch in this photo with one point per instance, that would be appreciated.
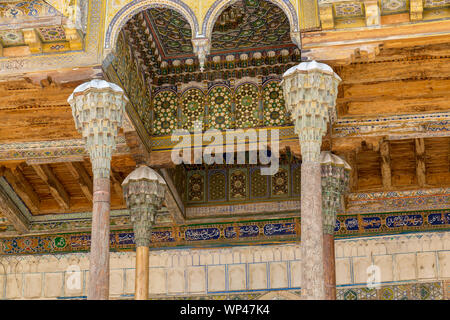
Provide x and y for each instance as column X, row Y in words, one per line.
column 136, row 6
column 220, row 5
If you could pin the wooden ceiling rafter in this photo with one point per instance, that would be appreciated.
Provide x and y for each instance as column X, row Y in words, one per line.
column 116, row 181
column 22, row 187
column 84, row 180
column 56, row 188
column 12, row 213
column 173, row 199
column 420, row 162
column 386, row 171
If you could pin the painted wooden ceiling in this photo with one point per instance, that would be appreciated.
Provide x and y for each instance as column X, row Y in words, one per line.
column 245, row 26
column 249, row 25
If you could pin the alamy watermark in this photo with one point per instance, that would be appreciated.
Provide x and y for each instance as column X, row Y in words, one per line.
column 73, row 281
column 373, row 277
column 189, row 149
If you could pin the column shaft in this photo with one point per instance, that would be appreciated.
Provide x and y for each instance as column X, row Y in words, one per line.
column 312, row 232
column 141, row 280
column 329, row 266
column 98, row 288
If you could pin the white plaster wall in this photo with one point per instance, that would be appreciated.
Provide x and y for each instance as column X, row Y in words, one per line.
column 404, row 258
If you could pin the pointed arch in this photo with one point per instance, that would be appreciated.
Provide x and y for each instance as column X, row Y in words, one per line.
column 220, row 5
column 136, row 6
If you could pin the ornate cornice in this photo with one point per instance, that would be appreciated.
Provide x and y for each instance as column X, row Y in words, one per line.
column 424, row 125
column 52, row 150
column 232, row 233
column 396, row 201
column 88, row 56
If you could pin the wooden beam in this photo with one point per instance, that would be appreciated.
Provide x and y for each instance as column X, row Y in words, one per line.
column 12, row 213
column 386, row 165
column 116, row 181
column 23, row 188
column 420, row 162
column 56, row 188
column 350, row 157
column 173, row 199
column 137, row 148
column 84, row 180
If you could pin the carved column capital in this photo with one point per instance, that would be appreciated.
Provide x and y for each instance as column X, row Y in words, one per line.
column 98, row 108
column 201, row 48
column 335, row 174
column 144, row 191
column 310, row 91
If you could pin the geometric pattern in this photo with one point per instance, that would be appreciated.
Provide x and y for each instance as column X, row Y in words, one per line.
column 394, row 6
column 193, row 108
column 232, row 183
column 247, row 106
column 238, row 184
column 165, row 112
column 218, row 183
column 280, row 182
column 11, row 38
column 348, row 9
column 436, row 3
column 35, row 8
column 258, row 23
column 296, row 181
column 50, row 34
column 258, row 184
column 123, row 71
column 274, row 106
column 172, row 30
column 219, row 108
column 414, row 291
column 196, row 186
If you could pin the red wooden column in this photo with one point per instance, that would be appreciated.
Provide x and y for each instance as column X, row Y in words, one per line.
column 144, row 190
column 310, row 91
column 98, row 107
column 335, row 174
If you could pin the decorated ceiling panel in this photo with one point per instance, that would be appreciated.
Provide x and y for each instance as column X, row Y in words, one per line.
column 239, row 184
column 222, row 106
column 172, row 31
column 250, row 24
column 33, row 9
column 247, row 34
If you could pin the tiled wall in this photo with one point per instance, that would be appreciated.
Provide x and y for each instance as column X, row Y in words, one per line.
column 401, row 259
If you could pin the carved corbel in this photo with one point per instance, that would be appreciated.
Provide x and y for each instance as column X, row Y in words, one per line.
column 416, row 10
column 201, row 49
column 326, row 16
column 32, row 40
column 74, row 38
column 296, row 39
column 372, row 12
column 76, row 13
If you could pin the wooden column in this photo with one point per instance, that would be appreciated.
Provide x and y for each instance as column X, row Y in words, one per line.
column 144, row 191
column 313, row 282
column 329, row 266
column 310, row 91
column 98, row 287
column 335, row 174
column 97, row 108
column 141, row 279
